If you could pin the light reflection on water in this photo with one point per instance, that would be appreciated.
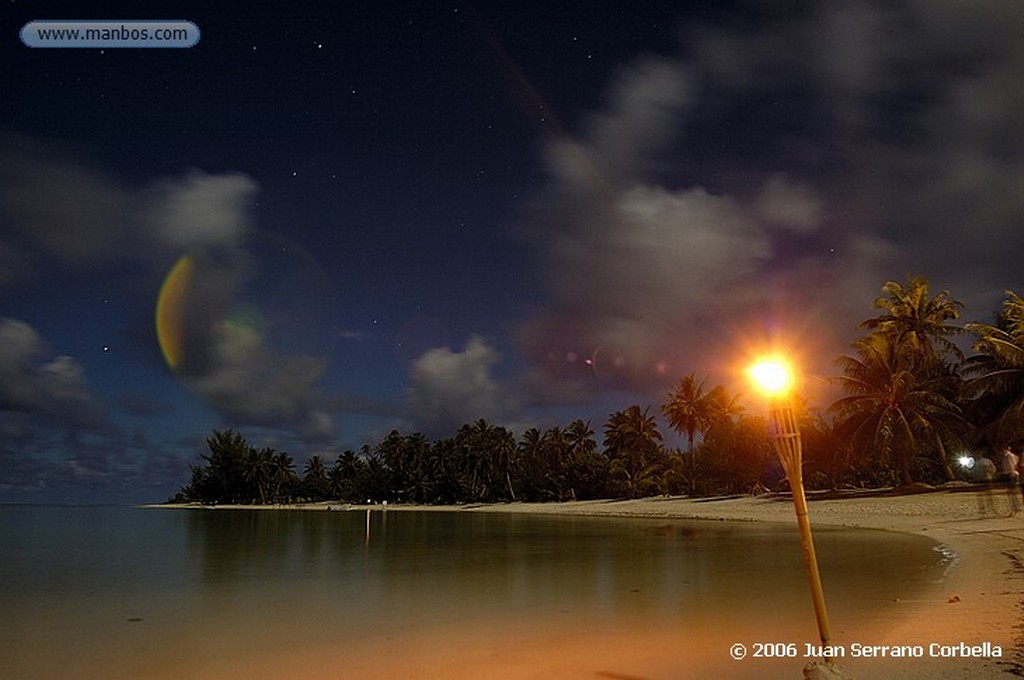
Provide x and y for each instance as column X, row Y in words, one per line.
column 116, row 589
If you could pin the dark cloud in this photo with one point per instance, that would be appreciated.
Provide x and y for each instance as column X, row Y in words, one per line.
column 62, row 207
column 235, row 346
column 771, row 178
column 34, row 381
column 55, row 431
column 59, row 205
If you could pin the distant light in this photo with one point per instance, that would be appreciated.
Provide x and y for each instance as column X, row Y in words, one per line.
column 966, row 462
column 772, row 375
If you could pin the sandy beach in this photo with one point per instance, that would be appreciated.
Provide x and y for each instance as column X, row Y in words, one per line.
column 957, row 628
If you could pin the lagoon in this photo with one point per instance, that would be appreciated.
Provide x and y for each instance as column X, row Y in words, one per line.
column 118, row 592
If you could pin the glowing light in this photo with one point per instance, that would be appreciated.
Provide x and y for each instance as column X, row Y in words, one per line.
column 772, row 375
column 966, row 462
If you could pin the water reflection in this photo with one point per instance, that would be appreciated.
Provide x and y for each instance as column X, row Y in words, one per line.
column 444, row 566
column 138, row 589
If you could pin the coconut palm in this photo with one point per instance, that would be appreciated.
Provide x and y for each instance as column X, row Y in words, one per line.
column 634, row 447
column 315, row 484
column 890, row 408
column 690, row 410
column 587, row 471
column 918, row 323
column 997, row 384
column 556, row 450
column 419, row 466
column 257, row 470
column 476, row 464
column 532, row 466
column 282, row 477
column 345, row 474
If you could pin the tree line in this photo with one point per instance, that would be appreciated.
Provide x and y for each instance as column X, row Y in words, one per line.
column 912, row 401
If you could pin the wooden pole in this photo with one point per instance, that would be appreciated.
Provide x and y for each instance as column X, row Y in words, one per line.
column 786, row 440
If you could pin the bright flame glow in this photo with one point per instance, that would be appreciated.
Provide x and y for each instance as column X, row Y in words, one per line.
column 772, row 376
column 966, row 462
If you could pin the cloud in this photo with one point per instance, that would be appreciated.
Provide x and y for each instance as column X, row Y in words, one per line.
column 452, row 388
column 54, row 429
column 61, row 206
column 789, row 205
column 645, row 98
column 251, row 384
column 770, row 178
column 240, row 329
column 33, row 381
column 199, row 209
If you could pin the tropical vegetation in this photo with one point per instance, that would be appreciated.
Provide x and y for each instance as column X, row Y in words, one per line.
column 912, row 400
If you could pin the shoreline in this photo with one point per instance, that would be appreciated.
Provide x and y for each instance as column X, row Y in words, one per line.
column 977, row 601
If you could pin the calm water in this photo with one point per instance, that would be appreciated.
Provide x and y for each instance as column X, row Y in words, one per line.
column 112, row 592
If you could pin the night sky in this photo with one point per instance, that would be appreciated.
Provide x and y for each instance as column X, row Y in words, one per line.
column 412, row 215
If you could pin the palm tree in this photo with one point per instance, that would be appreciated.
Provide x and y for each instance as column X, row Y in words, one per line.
column 449, row 485
column 226, row 464
column 474, row 442
column 690, row 410
column 345, row 475
column 724, row 406
column 503, row 452
column 282, row 477
column 587, row 468
column 917, row 323
column 890, row 407
column 420, row 470
column 391, row 450
column 555, row 449
column 920, row 328
column 633, row 443
column 532, row 468
column 687, row 408
column 257, row 470
column 998, row 373
column 635, row 482
column 315, row 484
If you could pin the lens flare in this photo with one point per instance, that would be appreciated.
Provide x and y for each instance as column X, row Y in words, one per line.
column 170, row 310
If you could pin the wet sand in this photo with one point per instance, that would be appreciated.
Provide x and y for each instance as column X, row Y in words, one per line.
column 978, row 601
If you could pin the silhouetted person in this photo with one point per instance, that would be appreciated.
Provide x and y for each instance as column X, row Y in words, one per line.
column 1009, row 474
column 984, row 473
column 1019, row 452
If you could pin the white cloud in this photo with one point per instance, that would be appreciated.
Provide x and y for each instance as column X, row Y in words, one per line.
column 452, row 388
column 200, row 209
